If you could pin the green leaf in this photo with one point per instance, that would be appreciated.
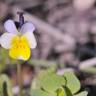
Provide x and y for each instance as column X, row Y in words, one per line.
column 64, row 92
column 61, row 92
column 5, row 86
column 34, row 84
column 52, row 94
column 73, row 83
column 84, row 93
column 68, row 92
column 50, row 81
column 39, row 92
column 37, row 80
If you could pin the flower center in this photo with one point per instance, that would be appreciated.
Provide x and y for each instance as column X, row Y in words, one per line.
column 19, row 48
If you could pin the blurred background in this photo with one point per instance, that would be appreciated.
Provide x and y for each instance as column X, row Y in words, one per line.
column 66, row 36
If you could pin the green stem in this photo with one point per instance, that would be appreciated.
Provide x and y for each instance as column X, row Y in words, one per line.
column 19, row 76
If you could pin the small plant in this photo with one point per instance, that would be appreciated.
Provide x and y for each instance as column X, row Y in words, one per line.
column 18, row 42
column 48, row 83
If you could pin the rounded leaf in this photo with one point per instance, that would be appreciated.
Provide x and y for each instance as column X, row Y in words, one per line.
column 72, row 82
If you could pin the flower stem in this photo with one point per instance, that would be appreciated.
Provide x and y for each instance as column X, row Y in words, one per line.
column 19, row 77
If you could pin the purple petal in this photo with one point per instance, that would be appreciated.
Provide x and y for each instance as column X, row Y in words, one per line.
column 27, row 27
column 10, row 27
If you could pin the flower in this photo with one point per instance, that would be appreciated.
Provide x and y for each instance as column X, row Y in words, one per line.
column 18, row 42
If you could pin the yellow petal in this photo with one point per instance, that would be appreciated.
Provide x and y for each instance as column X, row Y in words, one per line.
column 19, row 48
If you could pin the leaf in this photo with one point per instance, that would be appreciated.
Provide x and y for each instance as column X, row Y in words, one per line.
column 5, row 86
column 38, row 92
column 50, row 81
column 73, row 83
column 61, row 92
column 64, row 91
column 84, row 93
column 52, row 94
column 68, row 92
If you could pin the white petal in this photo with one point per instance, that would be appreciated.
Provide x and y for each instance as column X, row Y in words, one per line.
column 27, row 27
column 10, row 26
column 31, row 39
column 5, row 40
